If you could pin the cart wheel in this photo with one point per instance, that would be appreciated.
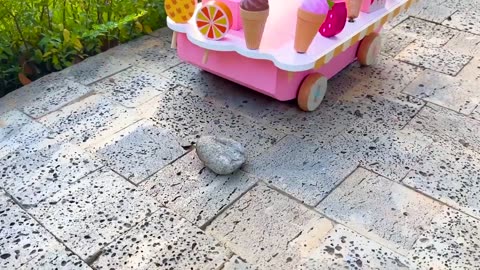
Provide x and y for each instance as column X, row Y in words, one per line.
column 312, row 91
column 369, row 50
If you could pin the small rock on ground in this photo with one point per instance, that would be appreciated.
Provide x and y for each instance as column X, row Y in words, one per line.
column 221, row 155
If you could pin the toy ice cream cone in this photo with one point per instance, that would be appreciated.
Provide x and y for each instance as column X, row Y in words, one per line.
column 310, row 17
column 254, row 15
column 353, row 9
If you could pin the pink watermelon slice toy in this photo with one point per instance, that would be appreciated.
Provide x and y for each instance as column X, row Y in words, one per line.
column 335, row 21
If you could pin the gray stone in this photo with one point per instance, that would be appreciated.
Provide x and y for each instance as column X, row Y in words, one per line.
column 433, row 10
column 471, row 71
column 427, row 31
column 139, row 150
column 450, row 173
column 270, row 230
column 133, row 87
column 89, row 120
column 343, row 248
column 25, row 244
column 465, row 43
column 221, row 155
column 384, row 211
column 450, row 242
column 434, row 58
column 94, row 69
column 438, row 122
column 95, row 211
column 199, row 194
column 456, row 93
column 37, row 171
column 163, row 241
column 395, row 42
column 305, row 170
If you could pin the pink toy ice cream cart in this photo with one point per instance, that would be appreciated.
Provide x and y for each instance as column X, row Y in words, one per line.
column 276, row 68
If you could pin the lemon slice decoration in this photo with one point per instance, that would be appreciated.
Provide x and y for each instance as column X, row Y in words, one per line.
column 214, row 20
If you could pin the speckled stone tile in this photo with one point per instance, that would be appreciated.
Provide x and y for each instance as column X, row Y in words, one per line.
column 88, row 120
column 133, row 87
column 139, row 150
column 394, row 42
column 163, row 33
column 237, row 263
column 450, row 242
column 438, row 59
column 471, row 71
column 47, row 94
column 455, row 93
column 343, row 248
column 131, row 51
column 305, row 170
column 157, row 58
column 94, row 69
column 221, row 91
column 17, row 131
column 380, row 209
column 465, row 43
column 389, row 153
column 189, row 188
column 270, row 230
column 189, row 116
column 467, row 21
column 95, row 211
column 163, row 241
column 431, row 10
column 439, row 122
column 450, row 173
column 432, row 33
column 35, row 172
column 56, row 257
column 26, row 244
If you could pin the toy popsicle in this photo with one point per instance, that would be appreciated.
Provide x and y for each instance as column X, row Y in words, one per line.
column 353, row 9
column 254, row 15
column 180, row 11
column 310, row 16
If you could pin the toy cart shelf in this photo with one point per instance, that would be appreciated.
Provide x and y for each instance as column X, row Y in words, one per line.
column 276, row 69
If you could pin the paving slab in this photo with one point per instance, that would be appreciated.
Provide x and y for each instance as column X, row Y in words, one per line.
column 450, row 242
column 187, row 187
column 455, row 93
column 389, row 153
column 94, row 68
column 450, row 173
column 471, row 71
column 163, row 33
column 157, row 59
column 35, row 172
column 163, row 241
column 133, row 87
column 380, row 209
column 26, row 244
column 418, row 29
column 18, row 131
column 394, row 42
column 95, row 211
column 467, row 21
column 221, row 91
column 189, row 116
column 343, row 248
column 439, row 122
column 138, row 151
column 434, row 58
column 433, row 10
column 305, row 170
column 56, row 257
column 89, row 120
column 465, row 43
column 270, row 230
column 237, row 263
column 47, row 94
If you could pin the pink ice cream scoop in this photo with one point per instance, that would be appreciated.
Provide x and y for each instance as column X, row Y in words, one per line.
column 315, row 6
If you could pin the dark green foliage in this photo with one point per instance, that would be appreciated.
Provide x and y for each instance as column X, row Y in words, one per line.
column 41, row 36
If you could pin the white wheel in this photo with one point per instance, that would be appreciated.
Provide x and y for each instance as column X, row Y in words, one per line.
column 312, row 91
column 369, row 49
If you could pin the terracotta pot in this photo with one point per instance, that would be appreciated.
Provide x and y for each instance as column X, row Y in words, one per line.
column 24, row 80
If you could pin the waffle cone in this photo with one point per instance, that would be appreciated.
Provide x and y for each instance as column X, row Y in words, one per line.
column 307, row 28
column 253, row 26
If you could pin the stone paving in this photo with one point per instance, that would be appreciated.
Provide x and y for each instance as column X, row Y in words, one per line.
column 98, row 171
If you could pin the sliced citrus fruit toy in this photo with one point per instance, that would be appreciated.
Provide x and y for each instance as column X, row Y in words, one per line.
column 214, row 20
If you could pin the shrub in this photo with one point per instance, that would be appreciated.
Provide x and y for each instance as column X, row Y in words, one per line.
column 42, row 36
